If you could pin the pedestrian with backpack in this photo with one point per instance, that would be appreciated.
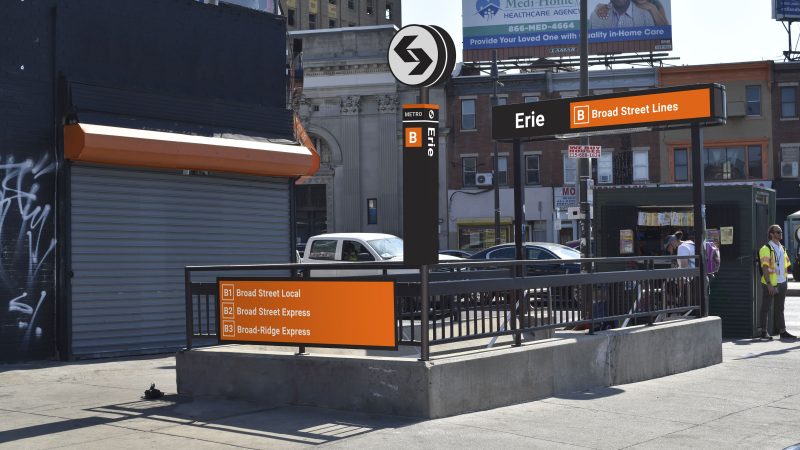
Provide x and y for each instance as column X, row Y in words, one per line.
column 712, row 258
column 774, row 267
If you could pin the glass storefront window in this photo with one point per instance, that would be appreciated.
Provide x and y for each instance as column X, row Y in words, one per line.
column 474, row 238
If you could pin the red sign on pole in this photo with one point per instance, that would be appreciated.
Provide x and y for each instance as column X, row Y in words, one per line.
column 584, row 151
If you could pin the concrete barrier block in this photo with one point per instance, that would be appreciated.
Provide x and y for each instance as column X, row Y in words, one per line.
column 490, row 380
column 647, row 352
column 472, row 379
column 581, row 363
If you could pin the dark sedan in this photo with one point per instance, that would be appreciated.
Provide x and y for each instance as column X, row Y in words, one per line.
column 459, row 253
column 539, row 251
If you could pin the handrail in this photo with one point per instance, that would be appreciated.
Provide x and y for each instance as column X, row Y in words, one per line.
column 475, row 299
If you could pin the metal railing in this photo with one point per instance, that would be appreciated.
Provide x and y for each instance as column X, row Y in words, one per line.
column 485, row 299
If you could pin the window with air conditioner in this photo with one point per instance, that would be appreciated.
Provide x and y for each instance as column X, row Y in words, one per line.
column 605, row 168
column 483, row 179
column 570, row 170
column 789, row 169
column 790, row 159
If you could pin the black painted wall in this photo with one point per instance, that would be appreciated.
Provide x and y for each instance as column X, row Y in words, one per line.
column 176, row 65
column 27, row 181
column 176, row 47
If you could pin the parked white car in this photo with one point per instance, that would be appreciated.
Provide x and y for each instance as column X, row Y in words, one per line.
column 357, row 247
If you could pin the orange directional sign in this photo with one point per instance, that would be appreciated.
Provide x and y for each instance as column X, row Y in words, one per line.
column 357, row 314
column 637, row 109
column 672, row 107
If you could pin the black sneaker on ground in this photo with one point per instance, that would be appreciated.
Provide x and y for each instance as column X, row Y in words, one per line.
column 787, row 335
column 765, row 336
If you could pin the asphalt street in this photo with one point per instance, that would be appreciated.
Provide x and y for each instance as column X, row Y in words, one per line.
column 750, row 401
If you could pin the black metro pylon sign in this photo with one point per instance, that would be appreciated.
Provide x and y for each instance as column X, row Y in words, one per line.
column 421, row 55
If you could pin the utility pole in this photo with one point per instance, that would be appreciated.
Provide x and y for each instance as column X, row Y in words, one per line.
column 584, row 164
column 495, row 181
column 585, row 173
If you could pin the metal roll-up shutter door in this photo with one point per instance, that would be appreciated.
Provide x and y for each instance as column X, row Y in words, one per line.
column 133, row 232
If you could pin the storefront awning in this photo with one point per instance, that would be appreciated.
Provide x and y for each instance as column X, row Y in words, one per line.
column 157, row 149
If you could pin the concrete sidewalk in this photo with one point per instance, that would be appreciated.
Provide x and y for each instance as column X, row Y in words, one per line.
column 750, row 401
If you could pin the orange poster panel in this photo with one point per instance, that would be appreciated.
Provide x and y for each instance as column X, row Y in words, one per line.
column 640, row 109
column 334, row 313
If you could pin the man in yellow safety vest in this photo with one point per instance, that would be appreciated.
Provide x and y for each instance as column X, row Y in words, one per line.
column 774, row 268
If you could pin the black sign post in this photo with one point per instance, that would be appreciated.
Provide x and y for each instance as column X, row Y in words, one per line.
column 421, row 55
column 420, row 184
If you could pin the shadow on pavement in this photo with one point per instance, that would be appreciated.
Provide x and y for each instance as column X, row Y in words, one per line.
column 782, row 351
column 592, row 394
column 37, row 365
column 182, row 416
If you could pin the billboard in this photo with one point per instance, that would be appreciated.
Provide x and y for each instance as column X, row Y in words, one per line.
column 551, row 28
column 786, row 9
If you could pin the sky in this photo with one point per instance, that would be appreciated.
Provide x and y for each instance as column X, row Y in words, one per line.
column 704, row 31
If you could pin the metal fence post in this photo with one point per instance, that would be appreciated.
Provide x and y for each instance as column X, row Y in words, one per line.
column 516, row 313
column 590, row 298
column 425, row 354
column 187, row 275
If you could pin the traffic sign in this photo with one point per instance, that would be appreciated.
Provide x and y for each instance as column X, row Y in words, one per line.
column 584, row 151
column 421, row 55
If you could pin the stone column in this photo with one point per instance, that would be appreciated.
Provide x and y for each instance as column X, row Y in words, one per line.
column 390, row 204
column 349, row 204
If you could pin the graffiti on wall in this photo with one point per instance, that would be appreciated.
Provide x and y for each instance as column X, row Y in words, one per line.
column 27, row 246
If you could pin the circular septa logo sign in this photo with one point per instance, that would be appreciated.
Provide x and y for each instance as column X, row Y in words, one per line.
column 421, row 55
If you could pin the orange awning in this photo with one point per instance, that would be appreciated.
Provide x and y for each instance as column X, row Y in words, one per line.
column 142, row 148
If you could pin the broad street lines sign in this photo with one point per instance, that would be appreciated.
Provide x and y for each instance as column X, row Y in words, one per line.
column 672, row 107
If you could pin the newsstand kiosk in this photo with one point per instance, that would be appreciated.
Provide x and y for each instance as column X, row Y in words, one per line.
column 636, row 220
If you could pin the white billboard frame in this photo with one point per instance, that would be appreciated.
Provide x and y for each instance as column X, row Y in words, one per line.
column 510, row 24
column 786, row 10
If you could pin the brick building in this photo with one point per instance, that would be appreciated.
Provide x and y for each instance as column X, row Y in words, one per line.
column 786, row 135
column 549, row 174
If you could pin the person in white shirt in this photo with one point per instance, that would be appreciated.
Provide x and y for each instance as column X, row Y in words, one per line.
column 686, row 248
